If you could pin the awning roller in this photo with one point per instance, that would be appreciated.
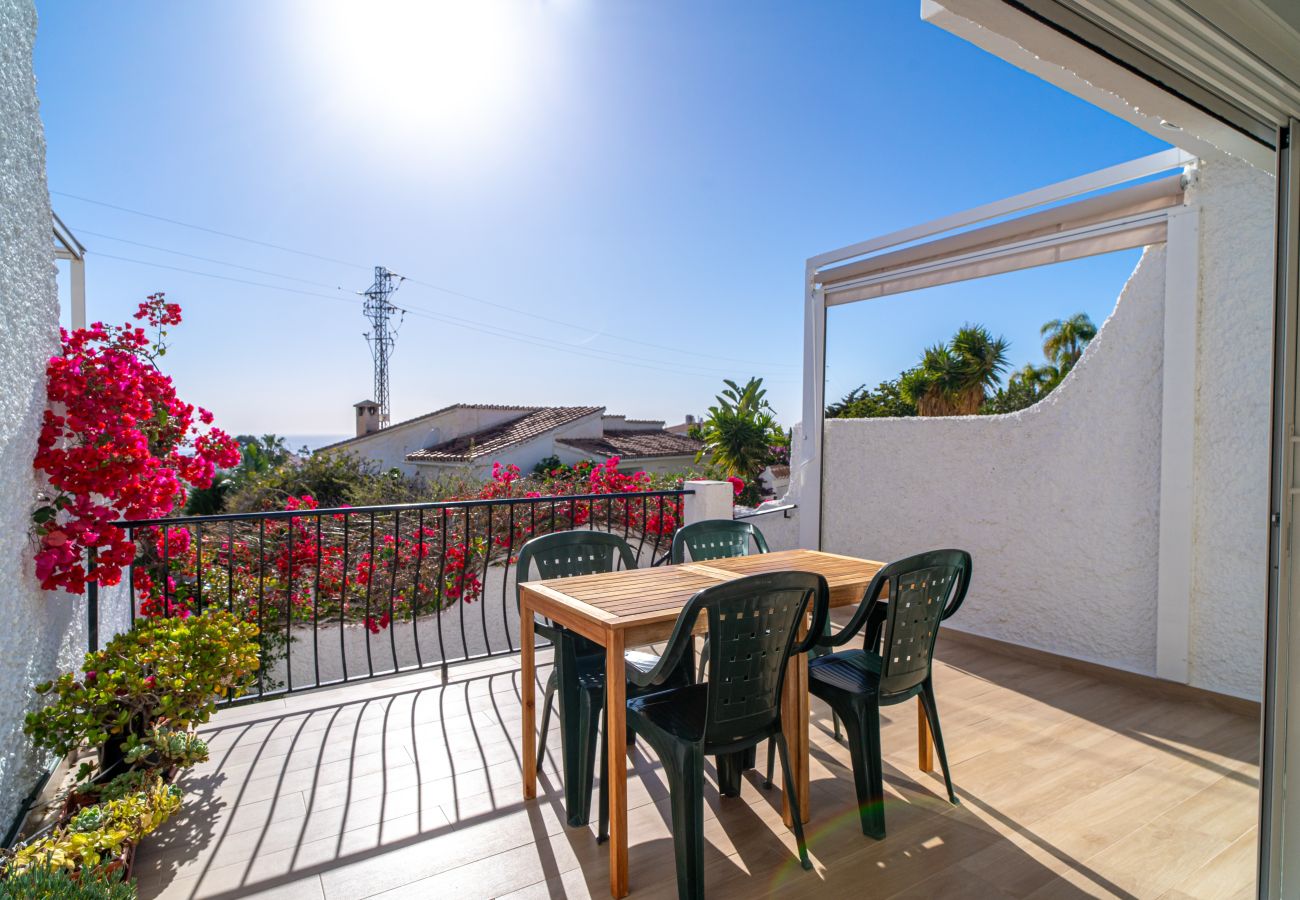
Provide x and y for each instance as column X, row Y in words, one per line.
column 1120, row 220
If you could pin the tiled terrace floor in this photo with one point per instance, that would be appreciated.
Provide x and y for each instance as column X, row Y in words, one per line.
column 409, row 787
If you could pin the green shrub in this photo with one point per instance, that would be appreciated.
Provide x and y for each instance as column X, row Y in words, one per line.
column 43, row 883
column 163, row 668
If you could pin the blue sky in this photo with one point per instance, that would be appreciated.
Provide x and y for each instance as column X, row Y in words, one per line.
column 632, row 187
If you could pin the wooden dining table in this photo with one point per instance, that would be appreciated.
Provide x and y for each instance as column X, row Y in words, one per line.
column 635, row 607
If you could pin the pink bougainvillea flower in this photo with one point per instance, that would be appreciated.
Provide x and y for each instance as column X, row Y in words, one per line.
column 115, row 443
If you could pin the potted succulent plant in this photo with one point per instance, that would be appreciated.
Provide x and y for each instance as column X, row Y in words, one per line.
column 165, row 670
column 135, row 703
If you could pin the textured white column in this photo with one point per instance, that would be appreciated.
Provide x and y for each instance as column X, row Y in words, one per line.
column 711, row 500
column 1177, row 434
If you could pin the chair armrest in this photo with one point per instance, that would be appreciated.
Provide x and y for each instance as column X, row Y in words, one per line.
column 862, row 615
column 821, row 601
column 678, row 643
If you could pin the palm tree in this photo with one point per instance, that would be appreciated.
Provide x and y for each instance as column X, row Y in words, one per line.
column 740, row 430
column 1034, row 376
column 954, row 379
column 982, row 362
column 934, row 385
column 1064, row 339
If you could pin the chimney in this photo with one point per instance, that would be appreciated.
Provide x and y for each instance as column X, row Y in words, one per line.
column 367, row 417
column 690, row 419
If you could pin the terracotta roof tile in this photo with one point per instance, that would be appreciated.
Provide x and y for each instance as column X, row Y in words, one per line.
column 428, row 415
column 534, row 422
column 634, row 444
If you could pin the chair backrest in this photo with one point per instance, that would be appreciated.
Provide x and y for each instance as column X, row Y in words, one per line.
column 753, row 630
column 716, row 539
column 562, row 554
column 923, row 590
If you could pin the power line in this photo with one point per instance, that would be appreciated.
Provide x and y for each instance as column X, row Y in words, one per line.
column 561, row 322
column 219, row 262
column 496, row 331
column 274, row 287
column 428, row 284
column 225, row 234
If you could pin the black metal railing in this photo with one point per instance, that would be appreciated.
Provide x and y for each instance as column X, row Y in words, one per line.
column 352, row 593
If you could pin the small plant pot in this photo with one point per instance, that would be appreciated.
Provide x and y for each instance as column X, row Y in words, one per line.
column 124, row 862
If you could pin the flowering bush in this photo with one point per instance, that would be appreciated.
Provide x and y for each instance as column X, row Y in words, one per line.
column 116, row 443
column 376, row 569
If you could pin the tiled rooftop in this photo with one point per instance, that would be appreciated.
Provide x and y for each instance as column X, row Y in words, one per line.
column 633, row 444
column 497, row 438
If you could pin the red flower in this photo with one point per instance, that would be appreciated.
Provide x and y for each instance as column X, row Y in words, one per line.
column 737, row 484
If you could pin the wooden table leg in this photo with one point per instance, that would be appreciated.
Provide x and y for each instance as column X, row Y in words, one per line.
column 616, row 777
column 794, row 722
column 528, row 697
column 924, row 740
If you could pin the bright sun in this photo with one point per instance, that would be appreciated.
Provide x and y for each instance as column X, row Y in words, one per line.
column 424, row 69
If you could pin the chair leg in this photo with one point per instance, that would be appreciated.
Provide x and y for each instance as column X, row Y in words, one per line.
column 771, row 752
column 779, row 740
column 932, row 714
column 580, row 730
column 835, row 722
column 864, row 749
column 731, row 767
column 602, row 828
column 684, row 766
column 552, row 684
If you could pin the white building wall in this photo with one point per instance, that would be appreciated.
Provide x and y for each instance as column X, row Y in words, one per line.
column 1059, row 503
column 44, row 632
column 1233, row 409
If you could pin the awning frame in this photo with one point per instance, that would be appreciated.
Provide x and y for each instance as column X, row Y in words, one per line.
column 1148, row 225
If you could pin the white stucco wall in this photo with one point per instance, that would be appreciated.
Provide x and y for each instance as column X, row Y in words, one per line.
column 1059, row 504
column 43, row 633
column 1233, row 409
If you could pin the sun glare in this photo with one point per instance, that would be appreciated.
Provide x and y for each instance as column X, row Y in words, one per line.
column 429, row 69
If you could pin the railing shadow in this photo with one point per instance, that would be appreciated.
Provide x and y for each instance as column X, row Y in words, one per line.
column 425, row 770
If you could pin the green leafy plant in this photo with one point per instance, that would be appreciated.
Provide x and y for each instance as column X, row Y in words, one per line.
column 739, row 433
column 129, row 782
column 44, row 882
column 164, row 668
column 163, row 746
column 109, row 829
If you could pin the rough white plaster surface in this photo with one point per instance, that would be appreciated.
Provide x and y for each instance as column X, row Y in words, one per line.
column 780, row 529
column 1058, row 504
column 1231, row 453
column 42, row 633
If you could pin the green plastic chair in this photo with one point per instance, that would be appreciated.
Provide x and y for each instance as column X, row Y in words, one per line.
column 578, row 678
column 715, row 539
column 753, row 631
column 923, row 590
column 724, row 539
